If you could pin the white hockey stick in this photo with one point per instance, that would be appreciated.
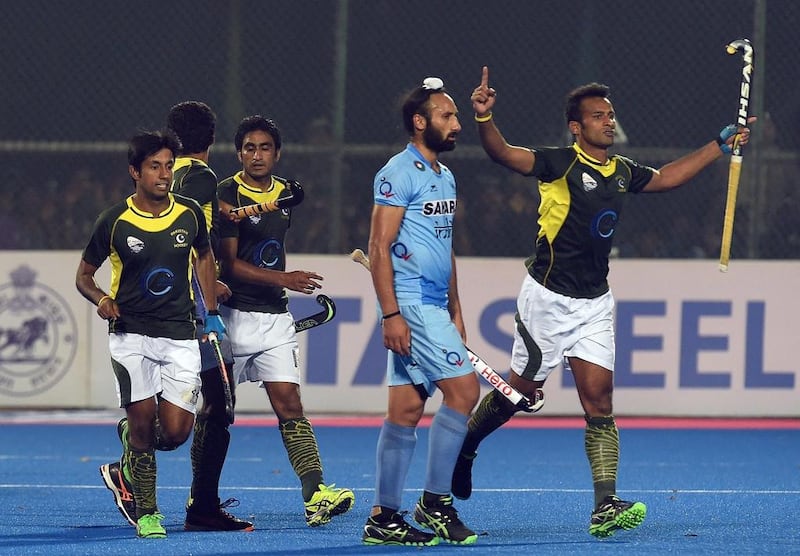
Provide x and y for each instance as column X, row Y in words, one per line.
column 491, row 376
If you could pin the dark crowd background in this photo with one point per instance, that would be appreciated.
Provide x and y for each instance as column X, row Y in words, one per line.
column 81, row 77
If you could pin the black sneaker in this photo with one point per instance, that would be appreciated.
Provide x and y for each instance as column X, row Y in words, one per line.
column 461, row 485
column 121, row 489
column 396, row 531
column 442, row 518
column 215, row 518
column 614, row 514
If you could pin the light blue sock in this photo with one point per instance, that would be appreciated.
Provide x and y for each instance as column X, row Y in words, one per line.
column 395, row 449
column 448, row 429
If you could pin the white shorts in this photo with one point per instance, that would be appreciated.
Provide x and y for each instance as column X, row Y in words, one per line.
column 145, row 367
column 264, row 346
column 563, row 327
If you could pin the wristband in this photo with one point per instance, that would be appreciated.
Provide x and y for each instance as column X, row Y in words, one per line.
column 484, row 118
column 100, row 301
column 390, row 315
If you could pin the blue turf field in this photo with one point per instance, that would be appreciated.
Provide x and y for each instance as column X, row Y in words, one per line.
column 708, row 491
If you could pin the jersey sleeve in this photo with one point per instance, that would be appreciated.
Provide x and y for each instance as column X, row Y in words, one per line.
column 201, row 241
column 544, row 165
column 99, row 247
column 392, row 187
column 640, row 174
column 226, row 192
column 202, row 187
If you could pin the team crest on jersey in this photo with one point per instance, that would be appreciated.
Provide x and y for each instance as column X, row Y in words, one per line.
column 589, row 182
column 621, row 183
column 385, row 189
column 401, row 251
column 135, row 244
column 181, row 238
column 419, row 165
column 37, row 335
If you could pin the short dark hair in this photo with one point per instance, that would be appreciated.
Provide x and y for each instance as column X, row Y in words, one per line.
column 194, row 123
column 148, row 143
column 417, row 101
column 257, row 123
column 572, row 109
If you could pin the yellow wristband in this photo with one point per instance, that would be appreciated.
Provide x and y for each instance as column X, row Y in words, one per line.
column 485, row 118
column 100, row 302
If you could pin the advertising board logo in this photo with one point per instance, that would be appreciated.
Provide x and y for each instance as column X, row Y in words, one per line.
column 37, row 335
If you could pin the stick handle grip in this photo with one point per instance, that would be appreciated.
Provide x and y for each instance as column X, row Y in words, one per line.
column 255, row 210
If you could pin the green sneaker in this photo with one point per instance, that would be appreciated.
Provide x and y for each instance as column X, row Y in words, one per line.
column 394, row 530
column 442, row 518
column 613, row 514
column 149, row 526
column 327, row 502
column 122, row 431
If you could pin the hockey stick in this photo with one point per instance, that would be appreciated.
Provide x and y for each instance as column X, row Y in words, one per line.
column 226, row 385
column 296, row 197
column 491, row 376
column 223, row 369
column 735, row 168
column 316, row 319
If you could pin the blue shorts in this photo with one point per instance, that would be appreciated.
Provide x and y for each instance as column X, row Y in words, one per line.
column 437, row 350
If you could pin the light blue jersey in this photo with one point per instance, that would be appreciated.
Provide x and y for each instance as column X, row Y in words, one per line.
column 422, row 250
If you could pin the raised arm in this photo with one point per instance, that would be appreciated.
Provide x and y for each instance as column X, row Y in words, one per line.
column 678, row 172
column 518, row 159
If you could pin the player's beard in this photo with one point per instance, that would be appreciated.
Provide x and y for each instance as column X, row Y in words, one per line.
column 436, row 142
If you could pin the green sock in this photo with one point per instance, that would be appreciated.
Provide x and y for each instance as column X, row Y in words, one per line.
column 143, row 480
column 301, row 447
column 209, row 448
column 601, row 440
column 492, row 413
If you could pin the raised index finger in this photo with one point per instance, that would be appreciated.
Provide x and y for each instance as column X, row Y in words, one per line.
column 485, row 77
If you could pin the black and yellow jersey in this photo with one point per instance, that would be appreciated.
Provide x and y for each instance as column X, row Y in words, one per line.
column 150, row 265
column 261, row 242
column 193, row 178
column 581, row 201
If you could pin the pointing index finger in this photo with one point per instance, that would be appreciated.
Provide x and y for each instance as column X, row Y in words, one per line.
column 485, row 77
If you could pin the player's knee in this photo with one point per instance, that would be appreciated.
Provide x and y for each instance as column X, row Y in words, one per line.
column 172, row 440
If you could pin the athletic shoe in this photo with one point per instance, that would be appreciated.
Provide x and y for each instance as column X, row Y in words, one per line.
column 461, row 484
column 613, row 514
column 121, row 489
column 396, row 531
column 442, row 519
column 217, row 519
column 149, row 526
column 327, row 502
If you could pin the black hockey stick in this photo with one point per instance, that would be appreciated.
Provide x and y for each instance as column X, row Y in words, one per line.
column 520, row 401
column 296, row 197
column 223, row 370
column 735, row 167
column 327, row 314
